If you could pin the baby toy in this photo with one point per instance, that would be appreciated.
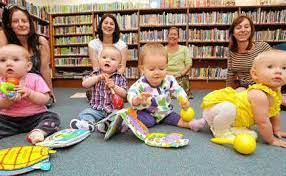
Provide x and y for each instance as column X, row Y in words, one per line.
column 7, row 88
column 22, row 159
column 242, row 143
column 117, row 101
column 186, row 115
column 65, row 138
column 129, row 116
column 114, row 126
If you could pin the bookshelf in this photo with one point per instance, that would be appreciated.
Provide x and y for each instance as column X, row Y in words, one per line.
column 203, row 29
column 69, row 47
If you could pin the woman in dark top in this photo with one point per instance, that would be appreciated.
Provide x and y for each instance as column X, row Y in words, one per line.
column 18, row 28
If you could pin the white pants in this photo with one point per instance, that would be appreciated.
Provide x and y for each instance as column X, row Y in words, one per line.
column 220, row 118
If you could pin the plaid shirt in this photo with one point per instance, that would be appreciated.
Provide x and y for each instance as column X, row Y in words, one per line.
column 101, row 94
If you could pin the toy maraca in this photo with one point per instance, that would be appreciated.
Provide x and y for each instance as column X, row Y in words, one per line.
column 7, row 87
column 117, row 101
column 242, row 143
column 186, row 115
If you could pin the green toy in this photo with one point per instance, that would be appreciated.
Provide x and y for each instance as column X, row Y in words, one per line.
column 7, row 88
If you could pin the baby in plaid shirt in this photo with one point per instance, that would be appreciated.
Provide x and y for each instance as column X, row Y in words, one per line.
column 103, row 81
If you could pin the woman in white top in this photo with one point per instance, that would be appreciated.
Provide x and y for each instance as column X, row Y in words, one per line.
column 108, row 34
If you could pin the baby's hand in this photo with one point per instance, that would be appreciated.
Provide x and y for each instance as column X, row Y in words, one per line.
column 110, row 83
column 185, row 104
column 280, row 134
column 102, row 76
column 16, row 97
column 279, row 143
column 143, row 98
column 23, row 91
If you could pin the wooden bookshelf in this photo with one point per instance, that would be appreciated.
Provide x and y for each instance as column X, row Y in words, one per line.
column 203, row 29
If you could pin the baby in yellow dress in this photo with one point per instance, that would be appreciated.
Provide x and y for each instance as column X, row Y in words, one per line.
column 229, row 112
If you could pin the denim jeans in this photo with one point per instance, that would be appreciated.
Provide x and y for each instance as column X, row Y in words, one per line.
column 92, row 115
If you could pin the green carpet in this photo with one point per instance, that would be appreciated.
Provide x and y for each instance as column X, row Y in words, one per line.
column 126, row 155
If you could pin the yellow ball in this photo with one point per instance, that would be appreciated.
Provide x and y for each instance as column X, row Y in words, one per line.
column 244, row 143
column 187, row 115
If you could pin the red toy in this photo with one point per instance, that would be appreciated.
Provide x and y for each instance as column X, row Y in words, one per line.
column 117, row 101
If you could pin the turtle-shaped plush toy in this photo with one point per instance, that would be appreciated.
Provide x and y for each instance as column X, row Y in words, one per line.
column 22, row 159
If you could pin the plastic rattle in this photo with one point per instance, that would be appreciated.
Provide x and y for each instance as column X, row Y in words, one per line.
column 117, row 101
column 242, row 143
column 186, row 115
column 7, row 88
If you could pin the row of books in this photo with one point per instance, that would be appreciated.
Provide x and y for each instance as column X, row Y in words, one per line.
column 202, row 35
column 207, row 3
column 270, row 35
column 124, row 21
column 132, row 73
column 208, row 73
column 209, row 35
column 223, row 35
column 71, row 61
column 160, row 35
column 38, row 11
column 208, row 51
column 73, row 30
column 127, row 21
column 97, row 6
column 79, row 51
column 73, row 40
column 135, row 4
column 168, row 3
column 71, row 51
column 130, row 38
column 210, row 3
column 71, row 74
column 263, row 17
column 78, row 19
column 214, row 17
column 132, row 54
column 195, row 73
column 41, row 29
column 163, row 19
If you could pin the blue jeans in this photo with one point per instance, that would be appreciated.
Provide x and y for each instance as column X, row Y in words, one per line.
column 92, row 115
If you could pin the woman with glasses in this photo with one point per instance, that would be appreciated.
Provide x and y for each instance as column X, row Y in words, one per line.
column 18, row 28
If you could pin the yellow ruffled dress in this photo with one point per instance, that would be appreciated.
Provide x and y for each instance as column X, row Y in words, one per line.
column 244, row 116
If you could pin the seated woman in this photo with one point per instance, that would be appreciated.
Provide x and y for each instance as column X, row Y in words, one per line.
column 179, row 60
column 242, row 51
